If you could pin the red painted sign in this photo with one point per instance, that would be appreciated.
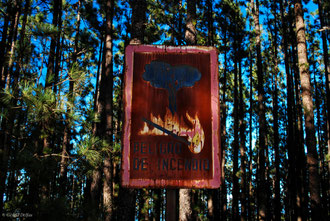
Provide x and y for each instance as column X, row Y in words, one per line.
column 171, row 134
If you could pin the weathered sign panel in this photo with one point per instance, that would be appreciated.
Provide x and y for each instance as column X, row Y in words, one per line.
column 171, row 134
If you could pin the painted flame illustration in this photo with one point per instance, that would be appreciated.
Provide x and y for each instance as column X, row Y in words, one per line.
column 175, row 124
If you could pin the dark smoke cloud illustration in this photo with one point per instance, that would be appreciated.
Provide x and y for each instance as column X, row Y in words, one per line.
column 172, row 78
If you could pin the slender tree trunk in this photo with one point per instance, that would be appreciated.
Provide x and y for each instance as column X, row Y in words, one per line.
column 157, row 204
column 261, row 184
column 106, row 100
column 50, row 77
column 318, row 126
column 7, row 123
column 210, row 27
column 223, row 190
column 327, row 79
column 67, row 128
column 8, row 72
column 291, row 198
column 8, row 41
column 251, row 195
column 139, row 8
column 235, row 190
column 94, row 184
column 242, row 147
column 299, row 152
column 307, row 99
column 3, row 45
column 191, row 32
column 277, row 178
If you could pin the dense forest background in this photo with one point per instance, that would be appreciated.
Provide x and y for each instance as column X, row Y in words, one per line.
column 62, row 66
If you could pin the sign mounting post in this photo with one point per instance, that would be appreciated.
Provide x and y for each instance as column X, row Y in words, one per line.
column 171, row 136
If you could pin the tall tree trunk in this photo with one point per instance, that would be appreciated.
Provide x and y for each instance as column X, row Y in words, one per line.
column 3, row 43
column 277, row 178
column 67, row 126
column 299, row 152
column 157, row 204
column 242, row 147
column 261, row 184
column 106, row 101
column 291, row 198
column 7, row 123
column 251, row 195
column 318, row 126
column 307, row 99
column 139, row 8
column 94, row 184
column 327, row 78
column 223, row 190
column 235, row 190
column 8, row 72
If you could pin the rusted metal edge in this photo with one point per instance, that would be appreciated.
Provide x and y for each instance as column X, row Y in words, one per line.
column 215, row 182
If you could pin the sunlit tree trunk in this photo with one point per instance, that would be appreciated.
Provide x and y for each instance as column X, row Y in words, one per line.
column 307, row 102
column 191, row 32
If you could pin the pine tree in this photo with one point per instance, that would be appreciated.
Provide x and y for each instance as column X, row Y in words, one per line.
column 312, row 156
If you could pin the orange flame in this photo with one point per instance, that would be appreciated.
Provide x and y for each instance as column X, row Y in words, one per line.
column 176, row 125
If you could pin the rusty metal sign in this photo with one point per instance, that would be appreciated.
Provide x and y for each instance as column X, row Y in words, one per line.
column 171, row 135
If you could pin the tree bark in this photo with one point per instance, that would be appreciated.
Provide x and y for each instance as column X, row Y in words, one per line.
column 7, row 123
column 3, row 45
column 191, row 32
column 235, row 190
column 251, row 195
column 242, row 147
column 185, row 210
column 327, row 79
column 291, row 189
column 106, row 101
column 222, row 211
column 50, row 77
column 210, row 27
column 95, row 195
column 277, row 178
column 139, row 8
column 307, row 99
column 261, row 184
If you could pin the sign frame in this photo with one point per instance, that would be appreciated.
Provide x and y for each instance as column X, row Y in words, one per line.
column 126, row 179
